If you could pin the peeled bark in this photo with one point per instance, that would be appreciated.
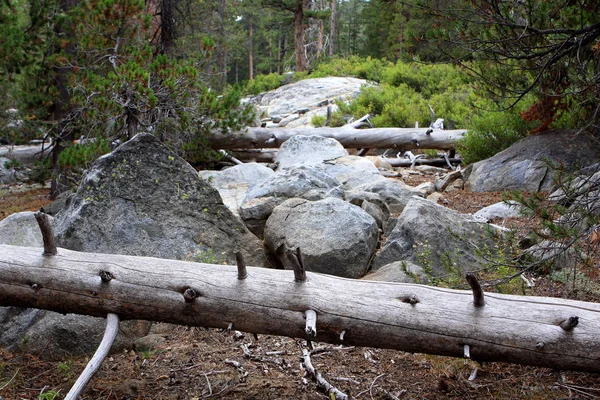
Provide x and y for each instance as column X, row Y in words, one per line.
column 400, row 138
column 540, row 331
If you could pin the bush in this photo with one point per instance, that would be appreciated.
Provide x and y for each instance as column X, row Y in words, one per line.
column 75, row 159
column 41, row 171
column 491, row 133
column 264, row 83
column 369, row 68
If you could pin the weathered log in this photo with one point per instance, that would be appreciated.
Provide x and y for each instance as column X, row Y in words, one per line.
column 268, row 156
column 519, row 329
column 401, row 138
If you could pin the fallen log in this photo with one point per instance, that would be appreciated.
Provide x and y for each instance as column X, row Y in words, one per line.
column 268, row 156
column 348, row 136
column 542, row 331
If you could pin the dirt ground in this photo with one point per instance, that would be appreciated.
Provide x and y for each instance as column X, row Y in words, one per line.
column 196, row 363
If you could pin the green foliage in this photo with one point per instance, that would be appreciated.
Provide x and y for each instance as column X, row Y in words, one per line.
column 318, row 121
column 49, row 395
column 12, row 164
column 66, row 369
column 80, row 155
column 364, row 68
column 564, row 242
column 75, row 159
column 264, row 83
column 41, row 171
column 491, row 133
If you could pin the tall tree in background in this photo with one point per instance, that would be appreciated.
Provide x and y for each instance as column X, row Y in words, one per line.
column 550, row 49
column 298, row 8
column 332, row 28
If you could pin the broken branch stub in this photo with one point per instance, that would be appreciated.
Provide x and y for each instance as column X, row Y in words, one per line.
column 45, row 225
column 297, row 262
column 478, row 299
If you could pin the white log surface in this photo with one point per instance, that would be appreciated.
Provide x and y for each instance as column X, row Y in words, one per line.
column 401, row 138
column 412, row 318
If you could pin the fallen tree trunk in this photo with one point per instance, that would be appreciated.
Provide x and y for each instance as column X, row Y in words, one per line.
column 540, row 331
column 268, row 156
column 401, row 138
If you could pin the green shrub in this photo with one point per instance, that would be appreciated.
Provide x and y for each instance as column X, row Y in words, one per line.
column 491, row 133
column 264, row 83
column 79, row 156
column 369, row 68
column 41, row 171
column 318, row 121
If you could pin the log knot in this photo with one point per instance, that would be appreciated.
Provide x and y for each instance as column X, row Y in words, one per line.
column 410, row 299
column 106, row 276
column 540, row 345
column 190, row 295
column 570, row 323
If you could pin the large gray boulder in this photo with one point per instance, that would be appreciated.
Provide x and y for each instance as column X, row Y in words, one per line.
column 9, row 175
column 55, row 336
column 392, row 191
column 305, row 182
column 399, row 272
column 21, row 229
column 312, row 96
column 523, row 166
column 503, row 209
column 334, row 236
column 48, row 334
column 351, row 171
column 308, row 150
column 233, row 183
column 439, row 239
column 142, row 199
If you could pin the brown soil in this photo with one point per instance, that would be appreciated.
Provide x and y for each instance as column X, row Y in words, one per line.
column 196, row 363
column 22, row 197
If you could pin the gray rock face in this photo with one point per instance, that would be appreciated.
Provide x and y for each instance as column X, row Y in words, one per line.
column 334, row 236
column 523, row 165
column 399, row 272
column 499, row 210
column 233, row 183
column 372, row 204
column 21, row 229
column 9, row 175
column 351, row 171
column 305, row 182
column 394, row 192
column 142, row 199
column 312, row 94
column 308, row 150
column 54, row 336
column 436, row 238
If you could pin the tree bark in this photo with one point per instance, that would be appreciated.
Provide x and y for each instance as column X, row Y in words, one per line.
column 301, row 64
column 400, row 138
column 541, row 331
column 332, row 28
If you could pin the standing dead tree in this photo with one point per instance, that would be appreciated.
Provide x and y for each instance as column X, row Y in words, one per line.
column 540, row 331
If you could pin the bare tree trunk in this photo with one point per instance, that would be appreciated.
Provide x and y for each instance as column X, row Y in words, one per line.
column 168, row 28
column 250, row 51
column 221, row 51
column 62, row 106
column 399, row 138
column 301, row 64
column 541, row 331
column 332, row 28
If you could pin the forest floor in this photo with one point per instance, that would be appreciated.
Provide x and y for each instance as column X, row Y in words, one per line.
column 196, row 363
